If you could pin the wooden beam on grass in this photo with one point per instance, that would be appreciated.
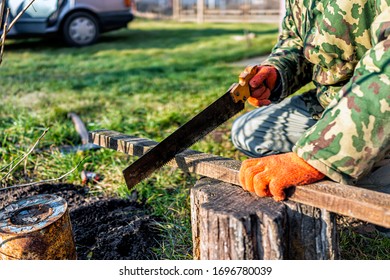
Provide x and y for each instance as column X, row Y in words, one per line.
column 364, row 204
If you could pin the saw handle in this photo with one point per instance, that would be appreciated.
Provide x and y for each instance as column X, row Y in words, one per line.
column 240, row 92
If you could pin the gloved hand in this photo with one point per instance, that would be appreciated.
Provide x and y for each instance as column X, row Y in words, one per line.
column 271, row 175
column 261, row 85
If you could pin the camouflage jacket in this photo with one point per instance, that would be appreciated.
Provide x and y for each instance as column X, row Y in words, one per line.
column 343, row 47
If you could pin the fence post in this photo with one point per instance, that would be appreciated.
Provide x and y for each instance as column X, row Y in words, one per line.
column 200, row 11
column 176, row 9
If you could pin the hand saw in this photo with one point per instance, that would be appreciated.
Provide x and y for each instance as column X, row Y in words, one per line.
column 214, row 115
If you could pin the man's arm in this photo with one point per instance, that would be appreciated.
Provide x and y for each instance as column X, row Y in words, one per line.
column 287, row 55
column 354, row 131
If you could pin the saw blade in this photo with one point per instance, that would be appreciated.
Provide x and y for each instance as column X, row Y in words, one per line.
column 214, row 115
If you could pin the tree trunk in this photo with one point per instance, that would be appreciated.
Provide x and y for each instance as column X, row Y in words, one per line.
column 229, row 223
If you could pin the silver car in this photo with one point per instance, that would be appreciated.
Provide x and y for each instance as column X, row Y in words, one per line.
column 79, row 22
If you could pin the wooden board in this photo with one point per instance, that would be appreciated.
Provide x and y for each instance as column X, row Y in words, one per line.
column 364, row 204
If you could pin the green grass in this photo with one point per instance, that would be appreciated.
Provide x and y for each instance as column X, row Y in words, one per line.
column 143, row 81
column 364, row 247
column 360, row 240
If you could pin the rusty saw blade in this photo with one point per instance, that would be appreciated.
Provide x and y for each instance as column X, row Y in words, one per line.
column 214, row 115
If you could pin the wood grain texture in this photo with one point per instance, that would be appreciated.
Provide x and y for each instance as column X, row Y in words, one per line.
column 223, row 227
column 364, row 204
column 311, row 232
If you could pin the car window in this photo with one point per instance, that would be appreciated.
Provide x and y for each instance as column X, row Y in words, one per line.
column 39, row 9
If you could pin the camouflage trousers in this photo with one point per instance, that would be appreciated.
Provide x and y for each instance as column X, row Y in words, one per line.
column 276, row 128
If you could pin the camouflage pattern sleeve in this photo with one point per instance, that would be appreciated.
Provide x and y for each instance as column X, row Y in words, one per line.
column 287, row 55
column 354, row 131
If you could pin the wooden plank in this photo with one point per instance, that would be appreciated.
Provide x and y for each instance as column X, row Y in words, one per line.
column 364, row 204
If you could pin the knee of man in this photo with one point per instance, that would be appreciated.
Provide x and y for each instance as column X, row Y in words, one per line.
column 242, row 137
column 256, row 139
column 235, row 131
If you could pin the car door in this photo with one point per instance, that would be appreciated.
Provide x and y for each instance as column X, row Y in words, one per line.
column 34, row 20
column 100, row 6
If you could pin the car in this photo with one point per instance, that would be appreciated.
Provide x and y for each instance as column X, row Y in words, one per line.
column 78, row 22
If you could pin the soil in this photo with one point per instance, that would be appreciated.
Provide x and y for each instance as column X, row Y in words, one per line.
column 105, row 228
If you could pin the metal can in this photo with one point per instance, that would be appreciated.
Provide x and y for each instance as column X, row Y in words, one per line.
column 36, row 228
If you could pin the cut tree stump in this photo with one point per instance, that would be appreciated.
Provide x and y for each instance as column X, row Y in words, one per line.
column 226, row 228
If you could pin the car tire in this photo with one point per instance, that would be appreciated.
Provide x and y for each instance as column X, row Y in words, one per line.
column 80, row 29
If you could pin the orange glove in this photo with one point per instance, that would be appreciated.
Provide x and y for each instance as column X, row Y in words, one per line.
column 261, row 85
column 270, row 175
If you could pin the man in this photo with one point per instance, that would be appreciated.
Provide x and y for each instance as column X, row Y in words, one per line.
column 341, row 128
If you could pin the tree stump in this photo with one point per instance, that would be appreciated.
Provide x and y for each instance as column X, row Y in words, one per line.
column 230, row 223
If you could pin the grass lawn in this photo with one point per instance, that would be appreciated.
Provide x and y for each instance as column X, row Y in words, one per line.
column 143, row 81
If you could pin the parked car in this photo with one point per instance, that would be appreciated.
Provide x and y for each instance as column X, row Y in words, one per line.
column 78, row 22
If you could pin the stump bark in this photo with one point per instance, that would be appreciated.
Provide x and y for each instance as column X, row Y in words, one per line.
column 230, row 223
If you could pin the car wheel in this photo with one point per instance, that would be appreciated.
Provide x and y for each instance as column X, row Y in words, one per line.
column 80, row 29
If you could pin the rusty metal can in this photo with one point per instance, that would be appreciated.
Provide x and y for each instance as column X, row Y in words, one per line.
column 36, row 228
